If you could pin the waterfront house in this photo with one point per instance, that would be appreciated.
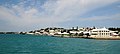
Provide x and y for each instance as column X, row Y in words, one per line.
column 102, row 32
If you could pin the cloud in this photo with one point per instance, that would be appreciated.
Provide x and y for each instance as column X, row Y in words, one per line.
column 52, row 12
column 118, row 6
column 71, row 9
column 101, row 18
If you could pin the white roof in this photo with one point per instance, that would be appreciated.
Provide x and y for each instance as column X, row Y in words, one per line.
column 73, row 31
column 62, row 33
column 113, row 31
column 76, row 31
column 86, row 32
column 100, row 29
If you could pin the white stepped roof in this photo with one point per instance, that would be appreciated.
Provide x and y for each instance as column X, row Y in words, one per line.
column 100, row 29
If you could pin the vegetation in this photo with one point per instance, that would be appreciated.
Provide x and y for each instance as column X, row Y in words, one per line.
column 114, row 29
column 8, row 32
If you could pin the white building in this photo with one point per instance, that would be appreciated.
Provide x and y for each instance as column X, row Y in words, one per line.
column 99, row 33
column 74, row 32
column 64, row 33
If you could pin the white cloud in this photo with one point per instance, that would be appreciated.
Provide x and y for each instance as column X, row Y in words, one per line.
column 118, row 6
column 54, row 12
column 69, row 9
column 100, row 18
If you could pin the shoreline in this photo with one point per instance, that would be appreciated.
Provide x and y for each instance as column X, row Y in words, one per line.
column 84, row 37
column 115, row 38
column 96, row 38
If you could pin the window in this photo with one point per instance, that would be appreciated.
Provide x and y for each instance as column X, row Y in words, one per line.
column 101, row 33
column 94, row 31
column 104, row 31
column 94, row 34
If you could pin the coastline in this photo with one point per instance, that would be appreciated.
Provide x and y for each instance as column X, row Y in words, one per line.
column 84, row 37
column 86, row 33
column 109, row 38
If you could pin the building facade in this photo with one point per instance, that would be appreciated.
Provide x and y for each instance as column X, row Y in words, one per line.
column 103, row 32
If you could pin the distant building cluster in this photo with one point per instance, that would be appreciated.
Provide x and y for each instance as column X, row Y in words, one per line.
column 92, row 32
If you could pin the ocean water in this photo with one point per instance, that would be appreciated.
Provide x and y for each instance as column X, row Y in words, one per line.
column 31, row 44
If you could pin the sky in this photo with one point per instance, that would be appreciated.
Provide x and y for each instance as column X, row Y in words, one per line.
column 26, row 15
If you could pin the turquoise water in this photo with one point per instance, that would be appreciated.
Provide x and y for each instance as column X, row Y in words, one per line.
column 30, row 44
